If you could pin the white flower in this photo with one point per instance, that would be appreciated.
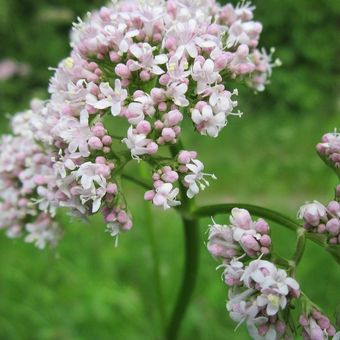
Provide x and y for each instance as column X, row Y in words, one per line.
column 195, row 179
column 257, row 271
column 244, row 33
column 146, row 60
column 204, row 75
column 111, row 98
column 185, row 34
column 176, row 91
column 272, row 302
column 242, row 311
column 141, row 106
column 76, row 133
column 208, row 123
column 166, row 196
column 137, row 143
column 120, row 37
column 177, row 69
column 91, row 194
column 88, row 174
column 220, row 99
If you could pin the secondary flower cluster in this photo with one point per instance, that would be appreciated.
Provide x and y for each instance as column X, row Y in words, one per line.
column 243, row 235
column 322, row 219
column 26, row 178
column 329, row 150
column 258, row 290
column 316, row 326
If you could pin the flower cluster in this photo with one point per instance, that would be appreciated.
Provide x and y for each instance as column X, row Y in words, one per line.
column 27, row 192
column 322, row 219
column 258, row 293
column 243, row 235
column 188, row 170
column 316, row 326
column 142, row 68
column 258, row 290
column 329, row 150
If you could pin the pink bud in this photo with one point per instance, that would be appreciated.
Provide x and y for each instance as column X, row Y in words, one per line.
column 321, row 228
column 99, row 131
column 261, row 226
column 157, row 94
column 107, row 140
column 110, row 217
column 114, row 56
column 158, row 125
column 122, row 217
column 162, row 106
column 170, row 43
column 323, row 322
column 250, row 243
column 333, row 207
column 149, row 195
column 184, row 157
column 122, row 71
column 95, row 143
column 280, row 327
column 168, row 134
column 333, row 226
column 152, row 148
column 164, row 79
column 170, row 176
column 143, row 127
column 265, row 240
column 331, row 330
column 111, row 188
column 144, row 75
column 241, row 218
column 127, row 226
column 303, row 320
column 174, row 117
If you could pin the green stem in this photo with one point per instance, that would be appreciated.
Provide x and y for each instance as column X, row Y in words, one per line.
column 300, row 246
column 189, row 278
column 153, row 245
column 191, row 264
column 272, row 215
column 137, row 181
column 156, row 263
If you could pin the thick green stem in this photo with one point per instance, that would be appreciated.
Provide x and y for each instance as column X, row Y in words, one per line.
column 191, row 234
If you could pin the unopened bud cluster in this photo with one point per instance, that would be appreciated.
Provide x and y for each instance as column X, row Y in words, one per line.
column 322, row 219
column 316, row 326
column 329, row 150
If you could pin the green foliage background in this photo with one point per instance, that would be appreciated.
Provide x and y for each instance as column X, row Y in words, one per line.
column 87, row 288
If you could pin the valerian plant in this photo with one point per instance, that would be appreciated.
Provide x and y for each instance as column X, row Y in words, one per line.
column 154, row 65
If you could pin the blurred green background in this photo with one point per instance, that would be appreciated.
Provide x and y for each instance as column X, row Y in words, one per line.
column 89, row 289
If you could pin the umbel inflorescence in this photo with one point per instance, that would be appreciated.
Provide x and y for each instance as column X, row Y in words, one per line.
column 152, row 65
